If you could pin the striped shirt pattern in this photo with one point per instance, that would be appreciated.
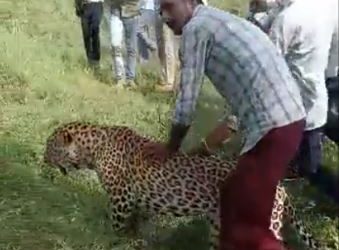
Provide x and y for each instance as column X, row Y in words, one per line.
column 245, row 68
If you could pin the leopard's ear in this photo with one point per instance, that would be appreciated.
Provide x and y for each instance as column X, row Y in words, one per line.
column 65, row 138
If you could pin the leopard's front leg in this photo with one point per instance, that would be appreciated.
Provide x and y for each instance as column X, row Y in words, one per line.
column 121, row 212
column 116, row 184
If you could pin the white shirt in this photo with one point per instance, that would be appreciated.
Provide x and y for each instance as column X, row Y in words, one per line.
column 204, row 2
column 265, row 17
column 94, row 1
column 146, row 4
column 303, row 33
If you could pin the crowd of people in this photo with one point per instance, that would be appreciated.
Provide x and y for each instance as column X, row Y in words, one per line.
column 272, row 74
column 136, row 27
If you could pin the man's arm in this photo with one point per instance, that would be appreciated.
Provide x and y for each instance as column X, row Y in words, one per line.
column 281, row 34
column 222, row 133
column 177, row 135
column 292, row 39
column 193, row 50
column 227, row 127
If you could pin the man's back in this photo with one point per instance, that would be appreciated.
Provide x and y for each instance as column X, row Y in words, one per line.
column 245, row 67
column 303, row 33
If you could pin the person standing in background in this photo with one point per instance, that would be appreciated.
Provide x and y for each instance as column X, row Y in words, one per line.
column 168, row 52
column 123, row 29
column 165, row 43
column 309, row 47
column 90, row 12
column 146, row 29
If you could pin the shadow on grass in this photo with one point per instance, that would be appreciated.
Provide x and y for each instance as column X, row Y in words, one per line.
column 191, row 235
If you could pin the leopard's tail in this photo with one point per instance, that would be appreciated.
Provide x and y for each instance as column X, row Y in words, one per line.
column 306, row 237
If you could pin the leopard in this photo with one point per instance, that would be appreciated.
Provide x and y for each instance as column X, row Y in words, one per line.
column 183, row 185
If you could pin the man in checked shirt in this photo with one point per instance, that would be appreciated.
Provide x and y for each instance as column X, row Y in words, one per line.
column 247, row 70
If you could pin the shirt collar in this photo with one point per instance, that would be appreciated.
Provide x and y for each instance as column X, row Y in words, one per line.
column 196, row 11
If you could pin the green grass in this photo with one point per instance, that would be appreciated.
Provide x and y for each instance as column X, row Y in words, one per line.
column 44, row 83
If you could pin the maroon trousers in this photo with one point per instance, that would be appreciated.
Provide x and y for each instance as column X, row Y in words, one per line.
column 247, row 197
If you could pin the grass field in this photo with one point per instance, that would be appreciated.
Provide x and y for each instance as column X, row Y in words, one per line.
column 43, row 83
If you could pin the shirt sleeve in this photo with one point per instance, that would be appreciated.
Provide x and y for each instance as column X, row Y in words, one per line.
column 292, row 40
column 281, row 34
column 193, row 52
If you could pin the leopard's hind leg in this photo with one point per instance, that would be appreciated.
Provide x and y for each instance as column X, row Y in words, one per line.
column 277, row 216
column 306, row 237
column 214, row 229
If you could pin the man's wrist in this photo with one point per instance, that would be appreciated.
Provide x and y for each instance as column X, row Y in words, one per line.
column 206, row 147
column 177, row 135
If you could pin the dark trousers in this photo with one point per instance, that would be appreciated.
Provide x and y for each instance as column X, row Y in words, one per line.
column 309, row 156
column 308, row 163
column 90, row 23
column 331, row 128
column 246, row 199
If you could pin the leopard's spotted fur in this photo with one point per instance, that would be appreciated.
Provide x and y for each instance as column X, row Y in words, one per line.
column 182, row 186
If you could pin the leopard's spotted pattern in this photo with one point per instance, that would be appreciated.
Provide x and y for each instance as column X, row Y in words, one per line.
column 182, row 186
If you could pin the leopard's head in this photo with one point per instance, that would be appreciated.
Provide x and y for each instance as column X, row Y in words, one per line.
column 69, row 149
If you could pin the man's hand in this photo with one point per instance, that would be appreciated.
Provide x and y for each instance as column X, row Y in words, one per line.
column 161, row 151
column 177, row 135
column 202, row 150
column 215, row 139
